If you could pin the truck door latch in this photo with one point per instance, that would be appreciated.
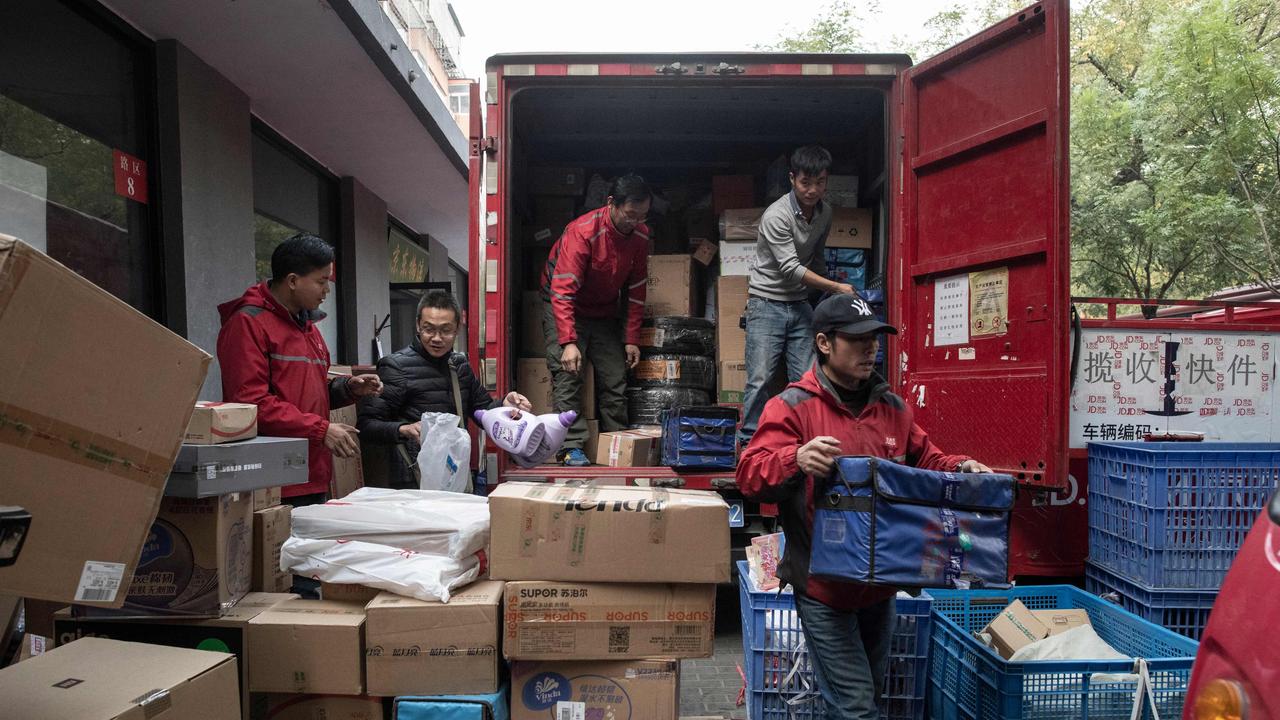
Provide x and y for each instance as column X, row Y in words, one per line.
column 489, row 146
column 727, row 69
column 674, row 68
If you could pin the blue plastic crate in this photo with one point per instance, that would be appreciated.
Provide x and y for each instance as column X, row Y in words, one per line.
column 1173, row 515
column 1185, row 612
column 968, row 680
column 772, row 648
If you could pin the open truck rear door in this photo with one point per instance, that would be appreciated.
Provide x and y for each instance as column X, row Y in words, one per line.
column 981, row 277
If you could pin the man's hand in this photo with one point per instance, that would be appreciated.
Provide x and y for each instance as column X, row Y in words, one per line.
column 973, row 466
column 818, row 456
column 362, row 386
column 844, row 289
column 633, row 355
column 342, row 440
column 517, row 401
column 571, row 358
column 412, row 431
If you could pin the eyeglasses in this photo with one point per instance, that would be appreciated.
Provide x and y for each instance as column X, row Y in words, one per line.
column 440, row 332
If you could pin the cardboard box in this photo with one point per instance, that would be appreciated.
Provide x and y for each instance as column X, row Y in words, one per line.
column 32, row 645
column 850, row 228
column 564, row 181
column 593, row 438
column 270, row 530
column 1060, row 621
column 74, row 452
column 672, row 289
column 628, row 448
column 533, row 340
column 737, row 257
column 266, row 498
column 1013, row 629
column 431, row 648
column 348, row 473
column 533, row 380
column 224, row 634
column 220, row 422
column 731, row 306
column 322, row 707
column 98, row 679
column 308, row 646
column 842, row 191
column 612, row 534
column 648, row 689
column 603, row 621
column 703, row 250
column 198, row 560
column 731, row 381
column 740, row 224
column 348, row 592
column 732, row 192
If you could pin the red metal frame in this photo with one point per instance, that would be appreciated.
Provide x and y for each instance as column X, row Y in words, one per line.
column 1227, row 322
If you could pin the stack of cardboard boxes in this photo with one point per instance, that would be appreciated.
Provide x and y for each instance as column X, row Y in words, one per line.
column 607, row 589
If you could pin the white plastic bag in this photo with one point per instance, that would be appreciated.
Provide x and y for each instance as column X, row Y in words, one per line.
column 450, row 524
column 445, row 458
column 401, row 571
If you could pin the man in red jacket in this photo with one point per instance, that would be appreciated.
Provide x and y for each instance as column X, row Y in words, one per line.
column 600, row 255
column 839, row 407
column 272, row 355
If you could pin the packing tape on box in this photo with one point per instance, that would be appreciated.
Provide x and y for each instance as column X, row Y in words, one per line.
column 578, row 538
column 41, row 434
column 529, row 523
column 657, row 519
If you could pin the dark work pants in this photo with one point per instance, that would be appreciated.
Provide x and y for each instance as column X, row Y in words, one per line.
column 601, row 342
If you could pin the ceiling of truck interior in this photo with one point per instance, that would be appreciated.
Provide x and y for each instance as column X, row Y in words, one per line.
column 639, row 127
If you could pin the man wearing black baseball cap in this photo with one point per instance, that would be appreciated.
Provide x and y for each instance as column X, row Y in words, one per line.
column 839, row 407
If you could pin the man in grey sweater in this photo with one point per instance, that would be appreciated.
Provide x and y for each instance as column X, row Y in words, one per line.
column 789, row 263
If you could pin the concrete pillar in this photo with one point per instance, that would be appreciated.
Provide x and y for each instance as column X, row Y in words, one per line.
column 363, row 271
column 206, row 184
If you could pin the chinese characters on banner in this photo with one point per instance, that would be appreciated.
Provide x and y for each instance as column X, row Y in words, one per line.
column 951, row 311
column 1222, row 384
column 408, row 261
column 130, row 176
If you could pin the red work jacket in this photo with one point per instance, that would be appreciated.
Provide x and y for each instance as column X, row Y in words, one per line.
column 589, row 266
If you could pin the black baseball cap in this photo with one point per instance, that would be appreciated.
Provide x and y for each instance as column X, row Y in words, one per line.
column 848, row 314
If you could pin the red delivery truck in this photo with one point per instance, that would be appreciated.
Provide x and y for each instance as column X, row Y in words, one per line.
column 962, row 162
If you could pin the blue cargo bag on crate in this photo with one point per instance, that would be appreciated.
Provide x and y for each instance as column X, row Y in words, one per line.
column 888, row 524
column 699, row 437
column 454, row 707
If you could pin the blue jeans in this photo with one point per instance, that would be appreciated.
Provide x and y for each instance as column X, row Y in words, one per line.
column 775, row 330
column 848, row 652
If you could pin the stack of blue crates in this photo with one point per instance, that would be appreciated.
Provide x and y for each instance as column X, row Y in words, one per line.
column 1166, row 520
column 780, row 682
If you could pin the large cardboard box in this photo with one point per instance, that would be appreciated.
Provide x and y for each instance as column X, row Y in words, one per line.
column 648, row 689
column 86, row 438
column 266, row 498
column 224, row 634
column 731, row 307
column 628, row 448
column 308, row 646
column 533, row 380
column 850, row 228
column 564, row 181
column 1060, row 621
column 431, row 648
column 270, row 530
column 348, row 473
column 198, row 560
column 740, row 224
column 731, row 381
column 98, row 679
column 533, row 341
column 703, row 250
column 604, row 621
column 322, row 707
column 672, row 289
column 1013, row 629
column 609, row 534
column 220, row 422
column 737, row 257
column 732, row 192
column 348, row 592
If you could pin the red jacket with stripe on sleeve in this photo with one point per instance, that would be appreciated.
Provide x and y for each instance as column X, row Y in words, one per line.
column 589, row 266
column 271, row 360
column 767, row 470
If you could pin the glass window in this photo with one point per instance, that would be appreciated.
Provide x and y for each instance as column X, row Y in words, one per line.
column 73, row 99
column 290, row 195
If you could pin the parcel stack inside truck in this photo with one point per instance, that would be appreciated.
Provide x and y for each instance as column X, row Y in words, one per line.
column 608, row 588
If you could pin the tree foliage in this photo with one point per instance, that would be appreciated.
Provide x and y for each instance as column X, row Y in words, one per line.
column 1175, row 134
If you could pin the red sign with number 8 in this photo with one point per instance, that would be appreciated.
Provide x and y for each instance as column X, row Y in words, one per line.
column 131, row 176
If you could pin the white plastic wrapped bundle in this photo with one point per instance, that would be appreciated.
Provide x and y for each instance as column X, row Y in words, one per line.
column 446, row 524
column 401, row 571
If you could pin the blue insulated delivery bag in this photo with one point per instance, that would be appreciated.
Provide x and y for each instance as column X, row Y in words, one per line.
column 888, row 524
column 454, row 707
column 699, row 437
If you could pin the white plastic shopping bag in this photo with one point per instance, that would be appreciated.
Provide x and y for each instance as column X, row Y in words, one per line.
column 445, row 458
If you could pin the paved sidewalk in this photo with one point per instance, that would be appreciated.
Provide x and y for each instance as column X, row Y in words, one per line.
column 709, row 686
